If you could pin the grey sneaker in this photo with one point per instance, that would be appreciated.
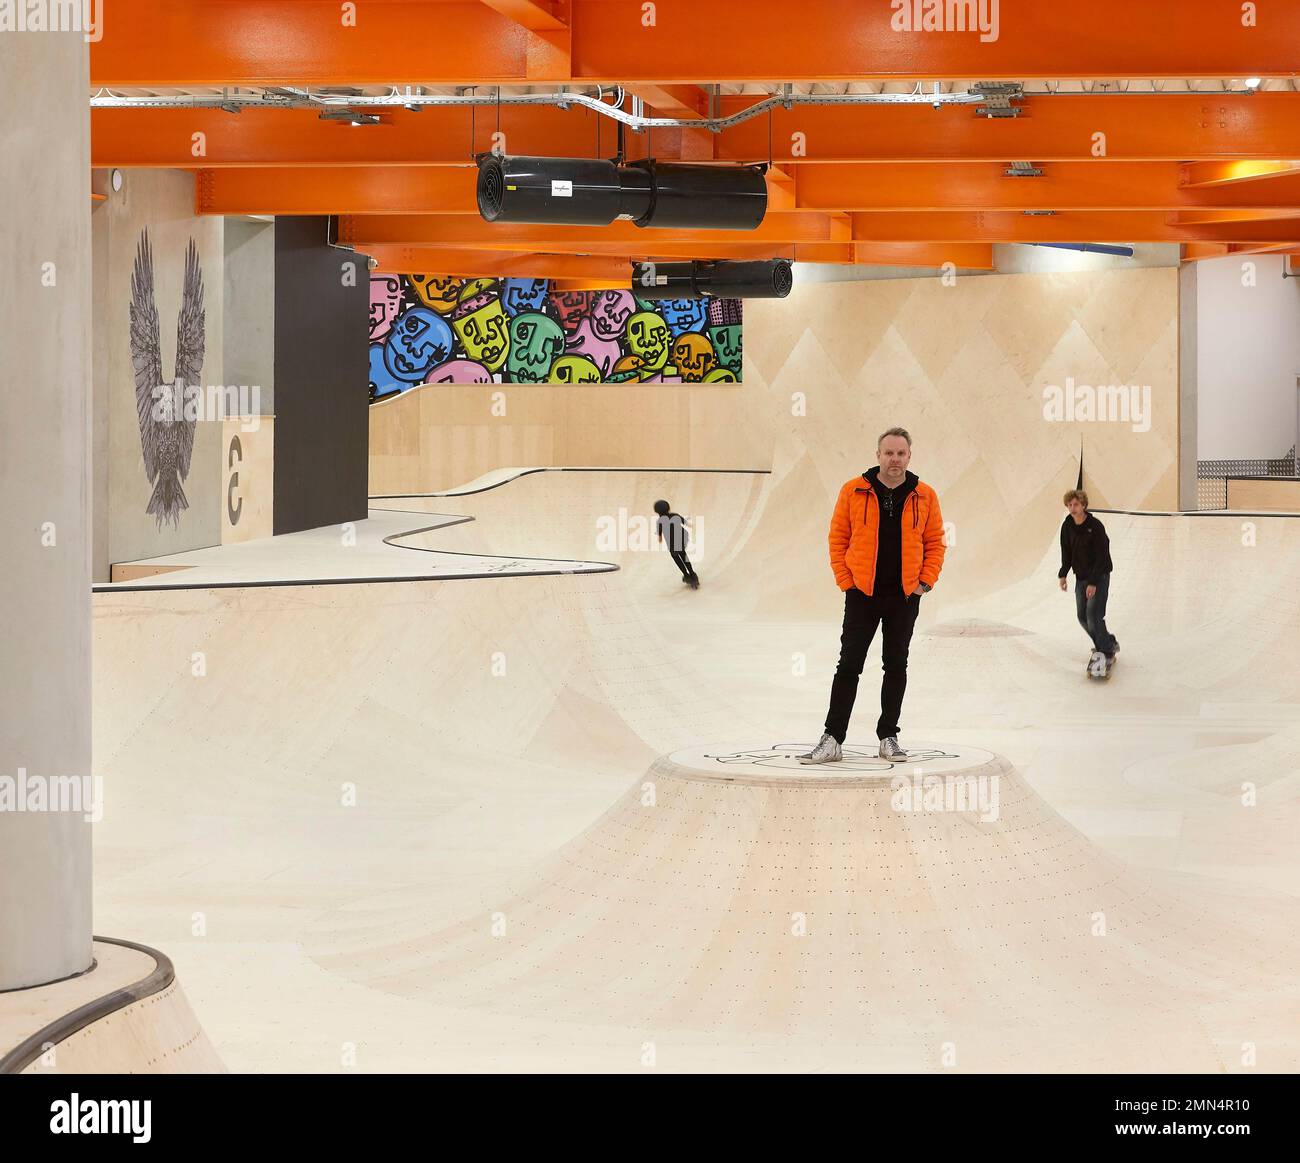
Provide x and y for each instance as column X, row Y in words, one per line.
column 889, row 749
column 827, row 751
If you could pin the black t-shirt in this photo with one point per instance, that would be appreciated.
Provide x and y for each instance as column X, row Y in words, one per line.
column 889, row 544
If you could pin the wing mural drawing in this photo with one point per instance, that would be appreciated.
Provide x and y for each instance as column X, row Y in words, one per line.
column 166, row 424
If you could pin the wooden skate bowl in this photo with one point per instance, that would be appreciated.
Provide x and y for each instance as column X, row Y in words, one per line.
column 125, row 1015
column 473, row 783
column 496, row 897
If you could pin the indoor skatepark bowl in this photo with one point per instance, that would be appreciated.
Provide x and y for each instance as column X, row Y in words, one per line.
column 734, row 910
column 1124, row 912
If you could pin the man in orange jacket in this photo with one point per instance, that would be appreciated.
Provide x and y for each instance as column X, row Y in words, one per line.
column 887, row 548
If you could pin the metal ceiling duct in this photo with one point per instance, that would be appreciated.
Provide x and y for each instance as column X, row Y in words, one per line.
column 595, row 192
column 765, row 279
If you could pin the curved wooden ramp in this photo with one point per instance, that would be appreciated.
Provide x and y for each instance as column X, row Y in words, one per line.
column 127, row 1014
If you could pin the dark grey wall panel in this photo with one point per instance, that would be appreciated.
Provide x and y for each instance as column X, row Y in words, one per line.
column 321, row 400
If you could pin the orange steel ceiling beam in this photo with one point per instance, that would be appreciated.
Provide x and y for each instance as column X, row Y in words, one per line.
column 165, row 138
column 537, row 15
column 1139, row 127
column 1176, row 127
column 673, row 100
column 884, row 186
column 1262, row 248
column 1199, row 251
column 871, row 187
column 1201, row 217
column 337, row 190
column 1069, row 226
column 972, row 255
column 676, row 250
column 616, row 269
column 161, row 43
column 471, row 230
column 300, row 42
column 1224, row 173
column 500, row 264
column 830, row 40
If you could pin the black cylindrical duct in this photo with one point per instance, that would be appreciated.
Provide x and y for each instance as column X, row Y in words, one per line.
column 567, row 191
column 592, row 192
column 769, row 279
column 703, row 197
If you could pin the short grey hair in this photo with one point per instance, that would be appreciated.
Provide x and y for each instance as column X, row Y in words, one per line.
column 903, row 432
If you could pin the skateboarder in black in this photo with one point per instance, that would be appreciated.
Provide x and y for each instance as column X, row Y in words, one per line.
column 1085, row 548
column 678, row 537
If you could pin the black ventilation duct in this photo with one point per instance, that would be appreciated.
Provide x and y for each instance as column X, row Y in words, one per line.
column 592, row 192
column 770, row 279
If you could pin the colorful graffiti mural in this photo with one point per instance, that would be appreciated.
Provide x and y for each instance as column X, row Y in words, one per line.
column 430, row 329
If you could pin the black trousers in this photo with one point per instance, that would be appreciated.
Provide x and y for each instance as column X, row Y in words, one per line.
column 863, row 613
column 683, row 562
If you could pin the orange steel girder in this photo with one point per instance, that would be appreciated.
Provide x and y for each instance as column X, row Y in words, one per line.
column 302, row 42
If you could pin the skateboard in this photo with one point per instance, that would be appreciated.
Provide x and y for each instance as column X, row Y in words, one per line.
column 1098, row 667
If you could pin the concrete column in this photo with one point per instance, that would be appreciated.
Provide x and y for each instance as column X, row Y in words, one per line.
column 45, row 855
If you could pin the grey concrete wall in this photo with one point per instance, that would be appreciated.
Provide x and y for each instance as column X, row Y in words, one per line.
column 45, row 856
column 162, row 202
column 249, row 307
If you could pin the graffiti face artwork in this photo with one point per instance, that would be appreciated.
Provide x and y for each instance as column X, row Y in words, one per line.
column 648, row 337
column 570, row 306
column 419, row 341
column 693, row 356
column 574, row 369
column 382, row 381
column 385, row 304
column 726, row 345
column 610, row 311
column 536, row 342
column 521, row 295
column 683, row 314
column 602, row 352
column 440, row 329
column 626, row 367
column 459, row 371
column 484, row 333
column 440, row 292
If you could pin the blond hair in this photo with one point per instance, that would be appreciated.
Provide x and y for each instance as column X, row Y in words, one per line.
column 1075, row 495
column 903, row 432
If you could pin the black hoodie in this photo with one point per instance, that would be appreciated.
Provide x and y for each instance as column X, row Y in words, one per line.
column 1085, row 548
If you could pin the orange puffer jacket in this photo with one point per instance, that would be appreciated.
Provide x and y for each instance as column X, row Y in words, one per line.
column 853, row 537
